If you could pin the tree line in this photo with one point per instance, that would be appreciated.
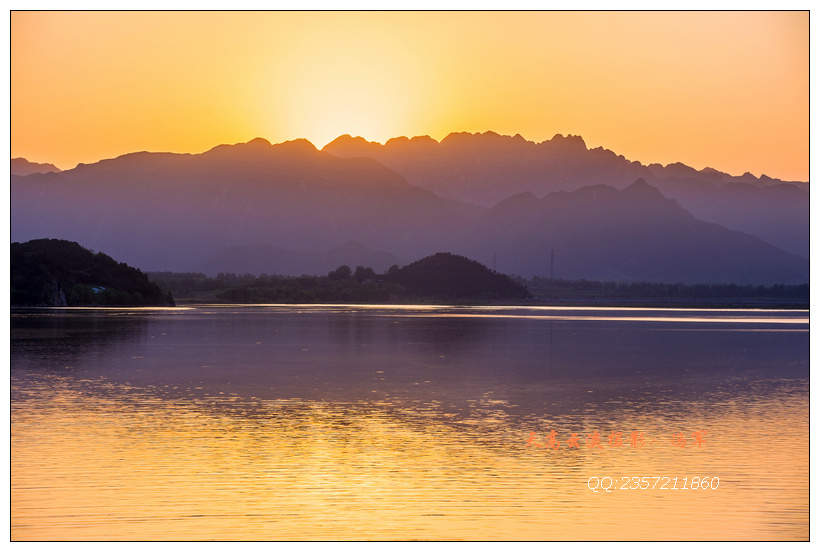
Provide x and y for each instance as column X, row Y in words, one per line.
column 566, row 289
column 442, row 277
column 343, row 285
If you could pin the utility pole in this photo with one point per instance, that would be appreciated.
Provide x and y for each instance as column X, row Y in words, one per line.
column 552, row 262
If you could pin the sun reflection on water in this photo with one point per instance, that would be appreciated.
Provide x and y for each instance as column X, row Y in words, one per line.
column 132, row 465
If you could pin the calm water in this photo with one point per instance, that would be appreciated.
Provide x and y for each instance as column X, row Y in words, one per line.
column 283, row 422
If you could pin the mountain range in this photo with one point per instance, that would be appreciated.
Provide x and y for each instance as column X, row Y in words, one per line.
column 601, row 233
column 486, row 168
column 524, row 208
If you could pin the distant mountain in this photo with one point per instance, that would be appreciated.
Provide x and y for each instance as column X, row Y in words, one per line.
column 21, row 167
column 635, row 234
column 211, row 211
column 486, row 168
column 62, row 273
column 448, row 276
column 268, row 259
column 778, row 213
column 164, row 211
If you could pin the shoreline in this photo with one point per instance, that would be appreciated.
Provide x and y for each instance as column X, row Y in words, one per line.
column 570, row 302
column 705, row 304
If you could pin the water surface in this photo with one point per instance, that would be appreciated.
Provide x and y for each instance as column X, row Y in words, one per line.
column 353, row 422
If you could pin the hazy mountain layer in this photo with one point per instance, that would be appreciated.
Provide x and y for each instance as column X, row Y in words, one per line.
column 163, row 211
column 179, row 212
column 487, row 168
column 601, row 233
column 268, row 259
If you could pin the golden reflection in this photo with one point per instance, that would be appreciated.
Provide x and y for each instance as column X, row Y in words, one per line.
column 688, row 319
column 92, row 460
column 651, row 314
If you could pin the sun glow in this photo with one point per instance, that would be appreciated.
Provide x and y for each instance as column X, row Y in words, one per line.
column 347, row 80
column 90, row 85
column 323, row 104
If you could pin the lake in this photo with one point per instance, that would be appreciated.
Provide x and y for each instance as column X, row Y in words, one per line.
column 274, row 422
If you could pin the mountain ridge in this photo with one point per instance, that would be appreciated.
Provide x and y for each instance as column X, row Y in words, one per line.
column 602, row 233
column 21, row 166
column 173, row 211
column 559, row 142
column 485, row 168
column 166, row 211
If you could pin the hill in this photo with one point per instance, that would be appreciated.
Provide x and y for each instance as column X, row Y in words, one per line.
column 61, row 273
column 448, row 276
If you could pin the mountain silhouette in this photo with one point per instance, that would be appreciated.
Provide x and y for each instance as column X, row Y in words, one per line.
column 486, row 168
column 163, row 211
column 280, row 208
column 22, row 167
column 634, row 234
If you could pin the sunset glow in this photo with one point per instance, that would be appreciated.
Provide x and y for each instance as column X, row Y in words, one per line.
column 728, row 90
column 409, row 276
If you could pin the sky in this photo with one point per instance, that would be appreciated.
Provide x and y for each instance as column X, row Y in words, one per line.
column 726, row 90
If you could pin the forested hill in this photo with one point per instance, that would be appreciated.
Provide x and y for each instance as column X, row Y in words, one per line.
column 61, row 273
column 445, row 275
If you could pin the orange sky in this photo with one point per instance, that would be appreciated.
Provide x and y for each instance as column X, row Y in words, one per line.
column 729, row 90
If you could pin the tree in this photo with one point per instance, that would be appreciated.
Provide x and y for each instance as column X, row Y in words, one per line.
column 342, row 273
column 363, row 274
